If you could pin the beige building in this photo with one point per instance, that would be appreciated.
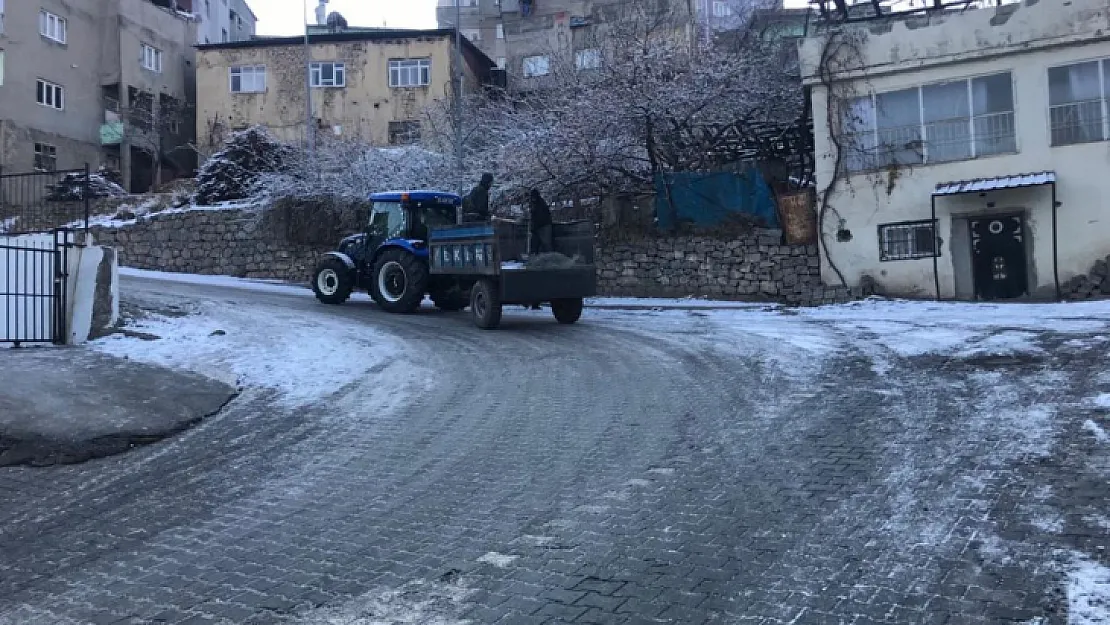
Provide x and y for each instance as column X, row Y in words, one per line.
column 369, row 85
column 75, row 75
column 972, row 146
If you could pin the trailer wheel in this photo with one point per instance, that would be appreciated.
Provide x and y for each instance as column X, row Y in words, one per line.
column 567, row 311
column 485, row 304
column 332, row 283
column 399, row 281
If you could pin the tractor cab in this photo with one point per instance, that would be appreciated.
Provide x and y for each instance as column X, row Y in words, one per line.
column 408, row 216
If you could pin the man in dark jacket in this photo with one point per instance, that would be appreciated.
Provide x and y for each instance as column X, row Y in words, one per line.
column 476, row 203
column 540, row 224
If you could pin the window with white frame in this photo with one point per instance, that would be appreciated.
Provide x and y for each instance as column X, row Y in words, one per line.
column 1, row 68
column 405, row 73
column 152, row 58
column 1078, row 101
column 472, row 34
column 587, row 59
column 907, row 241
column 502, row 62
column 329, row 75
column 1, row 16
column 943, row 122
column 535, row 66
column 248, row 79
column 52, row 26
column 721, row 9
column 50, row 94
column 46, row 157
column 500, row 31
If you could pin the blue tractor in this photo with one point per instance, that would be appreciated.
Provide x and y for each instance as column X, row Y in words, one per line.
column 415, row 245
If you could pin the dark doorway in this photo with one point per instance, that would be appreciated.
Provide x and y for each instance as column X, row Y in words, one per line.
column 998, row 257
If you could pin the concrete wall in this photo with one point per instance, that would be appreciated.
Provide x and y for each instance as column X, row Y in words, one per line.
column 1025, row 40
column 93, row 296
column 363, row 109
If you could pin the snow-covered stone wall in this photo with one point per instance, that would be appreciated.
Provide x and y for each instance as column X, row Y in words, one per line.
column 241, row 243
column 210, row 242
column 755, row 266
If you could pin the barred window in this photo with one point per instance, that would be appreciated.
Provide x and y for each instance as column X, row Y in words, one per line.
column 1079, row 102
column 907, row 241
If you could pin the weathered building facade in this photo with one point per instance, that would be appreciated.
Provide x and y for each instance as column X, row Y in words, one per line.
column 85, row 73
column 527, row 38
column 221, row 21
column 963, row 154
column 368, row 85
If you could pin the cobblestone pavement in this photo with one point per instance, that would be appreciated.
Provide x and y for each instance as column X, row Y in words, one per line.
column 632, row 469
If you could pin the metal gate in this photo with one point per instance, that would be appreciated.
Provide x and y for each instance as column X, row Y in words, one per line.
column 33, row 276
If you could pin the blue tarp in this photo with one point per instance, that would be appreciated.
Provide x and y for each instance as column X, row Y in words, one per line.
column 707, row 199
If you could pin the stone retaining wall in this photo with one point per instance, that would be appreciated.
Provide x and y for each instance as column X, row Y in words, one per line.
column 242, row 243
column 756, row 266
column 210, row 242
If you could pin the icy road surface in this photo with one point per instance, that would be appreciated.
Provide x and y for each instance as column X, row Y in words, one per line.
column 669, row 462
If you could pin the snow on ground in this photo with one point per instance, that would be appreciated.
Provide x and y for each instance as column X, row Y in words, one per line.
column 1096, row 431
column 1101, row 401
column 417, row 603
column 1088, row 593
column 499, row 560
column 684, row 303
column 228, row 282
column 963, row 329
column 304, row 357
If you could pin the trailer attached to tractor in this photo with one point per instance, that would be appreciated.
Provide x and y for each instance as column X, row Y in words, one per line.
column 414, row 245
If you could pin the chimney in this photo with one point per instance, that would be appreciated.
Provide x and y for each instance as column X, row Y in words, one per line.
column 322, row 13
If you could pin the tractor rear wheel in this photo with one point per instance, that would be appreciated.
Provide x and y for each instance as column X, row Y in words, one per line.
column 485, row 304
column 399, row 281
column 333, row 281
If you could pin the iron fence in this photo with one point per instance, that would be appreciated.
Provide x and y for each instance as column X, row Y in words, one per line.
column 42, row 201
column 34, row 275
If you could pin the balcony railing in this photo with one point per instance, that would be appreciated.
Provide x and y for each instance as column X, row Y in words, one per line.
column 935, row 142
column 1078, row 122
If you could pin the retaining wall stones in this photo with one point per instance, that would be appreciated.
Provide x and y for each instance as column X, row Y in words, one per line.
column 242, row 243
column 210, row 242
column 756, row 266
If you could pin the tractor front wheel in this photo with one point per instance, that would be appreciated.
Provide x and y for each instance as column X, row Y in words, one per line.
column 485, row 304
column 399, row 281
column 333, row 281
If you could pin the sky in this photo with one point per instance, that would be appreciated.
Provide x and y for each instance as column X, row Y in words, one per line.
column 287, row 17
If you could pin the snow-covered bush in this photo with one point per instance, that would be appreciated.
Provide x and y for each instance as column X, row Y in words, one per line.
column 104, row 183
column 233, row 172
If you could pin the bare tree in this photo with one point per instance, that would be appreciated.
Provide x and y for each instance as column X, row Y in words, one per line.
column 639, row 98
column 156, row 125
